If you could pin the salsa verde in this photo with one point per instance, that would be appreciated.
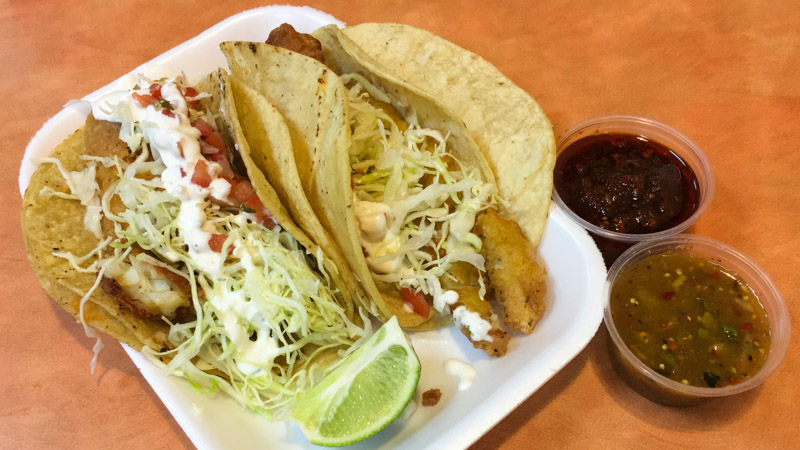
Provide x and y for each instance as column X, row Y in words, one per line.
column 691, row 320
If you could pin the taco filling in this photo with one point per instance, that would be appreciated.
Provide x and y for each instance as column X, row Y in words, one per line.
column 429, row 226
column 414, row 202
column 186, row 240
column 400, row 184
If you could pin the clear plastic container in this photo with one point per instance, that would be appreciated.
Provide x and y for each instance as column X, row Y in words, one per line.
column 661, row 389
column 613, row 243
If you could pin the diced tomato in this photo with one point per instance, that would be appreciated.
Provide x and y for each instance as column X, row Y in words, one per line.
column 183, row 173
column 155, row 90
column 143, row 100
column 168, row 112
column 265, row 218
column 204, row 127
column 263, row 215
column 747, row 326
column 416, row 300
column 215, row 140
column 216, row 242
column 191, row 92
column 672, row 345
column 242, row 191
column 254, row 203
column 201, row 175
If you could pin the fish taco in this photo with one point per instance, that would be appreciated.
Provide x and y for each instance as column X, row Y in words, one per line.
column 152, row 224
column 399, row 182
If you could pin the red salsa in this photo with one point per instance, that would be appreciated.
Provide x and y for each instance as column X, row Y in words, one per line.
column 690, row 320
column 626, row 183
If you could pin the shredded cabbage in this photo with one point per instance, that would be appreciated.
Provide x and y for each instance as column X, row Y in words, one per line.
column 415, row 202
column 264, row 318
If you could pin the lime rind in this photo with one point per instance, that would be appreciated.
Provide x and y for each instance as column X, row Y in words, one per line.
column 368, row 391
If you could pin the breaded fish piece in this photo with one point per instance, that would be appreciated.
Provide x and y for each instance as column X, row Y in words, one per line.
column 287, row 37
column 154, row 291
column 517, row 280
column 463, row 278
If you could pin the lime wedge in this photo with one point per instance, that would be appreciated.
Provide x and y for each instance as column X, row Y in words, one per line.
column 368, row 390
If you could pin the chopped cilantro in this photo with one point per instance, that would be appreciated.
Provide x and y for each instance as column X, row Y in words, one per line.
column 731, row 332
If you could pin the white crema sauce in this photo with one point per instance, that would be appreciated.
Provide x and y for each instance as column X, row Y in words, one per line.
column 176, row 143
column 461, row 370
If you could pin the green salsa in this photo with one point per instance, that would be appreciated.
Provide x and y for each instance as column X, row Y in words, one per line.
column 691, row 320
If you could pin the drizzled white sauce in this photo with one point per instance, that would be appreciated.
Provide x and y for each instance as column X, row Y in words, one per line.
column 176, row 143
column 233, row 308
column 376, row 238
column 461, row 370
column 478, row 327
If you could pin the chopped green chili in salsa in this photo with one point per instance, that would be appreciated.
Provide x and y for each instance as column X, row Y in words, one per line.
column 691, row 320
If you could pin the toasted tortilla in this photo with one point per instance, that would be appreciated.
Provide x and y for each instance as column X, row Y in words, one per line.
column 267, row 148
column 53, row 224
column 510, row 128
column 313, row 101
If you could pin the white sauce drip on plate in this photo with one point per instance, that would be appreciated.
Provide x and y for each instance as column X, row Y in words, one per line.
column 461, row 370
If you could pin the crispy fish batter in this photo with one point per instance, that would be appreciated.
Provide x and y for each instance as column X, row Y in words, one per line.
column 102, row 139
column 151, row 282
column 463, row 278
column 517, row 280
column 431, row 397
column 287, row 37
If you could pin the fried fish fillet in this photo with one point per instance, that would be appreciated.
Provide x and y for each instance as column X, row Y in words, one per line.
column 147, row 291
column 517, row 280
column 463, row 278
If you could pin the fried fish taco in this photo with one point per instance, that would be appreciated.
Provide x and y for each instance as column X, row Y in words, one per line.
column 508, row 125
column 146, row 225
column 401, row 186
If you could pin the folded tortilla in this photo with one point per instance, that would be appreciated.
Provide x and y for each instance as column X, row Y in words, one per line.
column 508, row 125
column 314, row 102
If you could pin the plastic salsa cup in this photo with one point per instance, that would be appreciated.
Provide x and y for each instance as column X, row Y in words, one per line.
column 661, row 389
column 613, row 243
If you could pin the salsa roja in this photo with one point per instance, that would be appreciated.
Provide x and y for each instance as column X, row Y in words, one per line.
column 690, row 319
column 626, row 183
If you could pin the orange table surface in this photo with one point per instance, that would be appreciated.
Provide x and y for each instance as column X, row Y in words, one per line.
column 725, row 73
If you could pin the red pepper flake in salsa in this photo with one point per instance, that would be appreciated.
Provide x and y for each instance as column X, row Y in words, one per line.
column 626, row 183
column 712, row 333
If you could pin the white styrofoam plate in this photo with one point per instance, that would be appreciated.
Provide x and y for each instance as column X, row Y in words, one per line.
column 575, row 277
